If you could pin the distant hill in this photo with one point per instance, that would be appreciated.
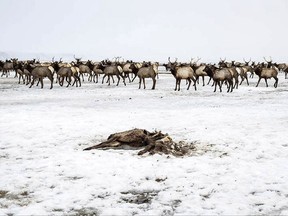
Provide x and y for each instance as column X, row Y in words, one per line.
column 41, row 56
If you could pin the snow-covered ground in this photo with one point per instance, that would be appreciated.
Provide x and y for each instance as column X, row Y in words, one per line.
column 241, row 167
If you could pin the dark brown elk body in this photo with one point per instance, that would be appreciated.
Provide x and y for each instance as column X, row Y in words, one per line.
column 223, row 65
column 113, row 70
column 219, row 76
column 97, row 70
column 7, row 67
column 67, row 73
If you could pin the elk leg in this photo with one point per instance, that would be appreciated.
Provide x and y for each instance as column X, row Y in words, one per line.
column 61, row 81
column 41, row 81
column 146, row 149
column 32, row 83
column 112, row 142
column 123, row 79
column 144, row 83
column 135, row 75
column 118, row 77
column 154, row 83
column 203, row 80
column 276, row 82
column 79, row 80
column 96, row 75
column 266, row 82
column 176, row 85
column 209, row 80
column 140, row 80
column 127, row 75
column 179, row 83
column 215, row 83
column 230, row 86
column 236, row 83
column 197, row 79
column 220, row 85
column 242, row 79
column 246, row 79
column 103, row 78
column 195, row 87
column 258, row 82
column 189, row 83
column 69, row 81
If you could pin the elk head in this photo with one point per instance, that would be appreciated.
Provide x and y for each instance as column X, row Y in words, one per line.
column 78, row 60
column 246, row 63
column 171, row 64
column 268, row 62
column 222, row 63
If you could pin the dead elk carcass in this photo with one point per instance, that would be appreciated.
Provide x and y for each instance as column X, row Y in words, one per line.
column 152, row 142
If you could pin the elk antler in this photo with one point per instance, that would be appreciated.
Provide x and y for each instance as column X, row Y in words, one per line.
column 191, row 61
column 198, row 59
column 53, row 58
column 222, row 59
column 268, row 61
column 173, row 62
column 246, row 61
column 77, row 59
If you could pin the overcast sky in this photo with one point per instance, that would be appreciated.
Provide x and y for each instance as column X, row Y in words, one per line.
column 147, row 29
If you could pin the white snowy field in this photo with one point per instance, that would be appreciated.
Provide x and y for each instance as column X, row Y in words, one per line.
column 240, row 167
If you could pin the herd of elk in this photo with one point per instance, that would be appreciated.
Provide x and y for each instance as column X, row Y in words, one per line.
column 223, row 72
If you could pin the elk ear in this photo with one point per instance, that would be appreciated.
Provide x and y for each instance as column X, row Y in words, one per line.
column 145, row 132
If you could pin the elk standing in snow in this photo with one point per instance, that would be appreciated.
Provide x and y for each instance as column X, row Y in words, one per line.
column 266, row 73
column 146, row 72
column 181, row 72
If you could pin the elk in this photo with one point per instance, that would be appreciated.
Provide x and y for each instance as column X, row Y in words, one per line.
column 286, row 72
column 181, row 72
column 127, row 70
column 111, row 70
column 266, row 73
column 199, row 72
column 146, row 72
column 219, row 76
column 135, row 138
column 223, row 65
column 97, row 70
column 40, row 72
column 19, row 68
column 282, row 66
column 243, row 70
column 68, row 72
column 1, row 66
column 84, row 68
column 7, row 67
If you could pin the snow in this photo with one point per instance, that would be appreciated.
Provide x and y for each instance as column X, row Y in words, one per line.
column 240, row 168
